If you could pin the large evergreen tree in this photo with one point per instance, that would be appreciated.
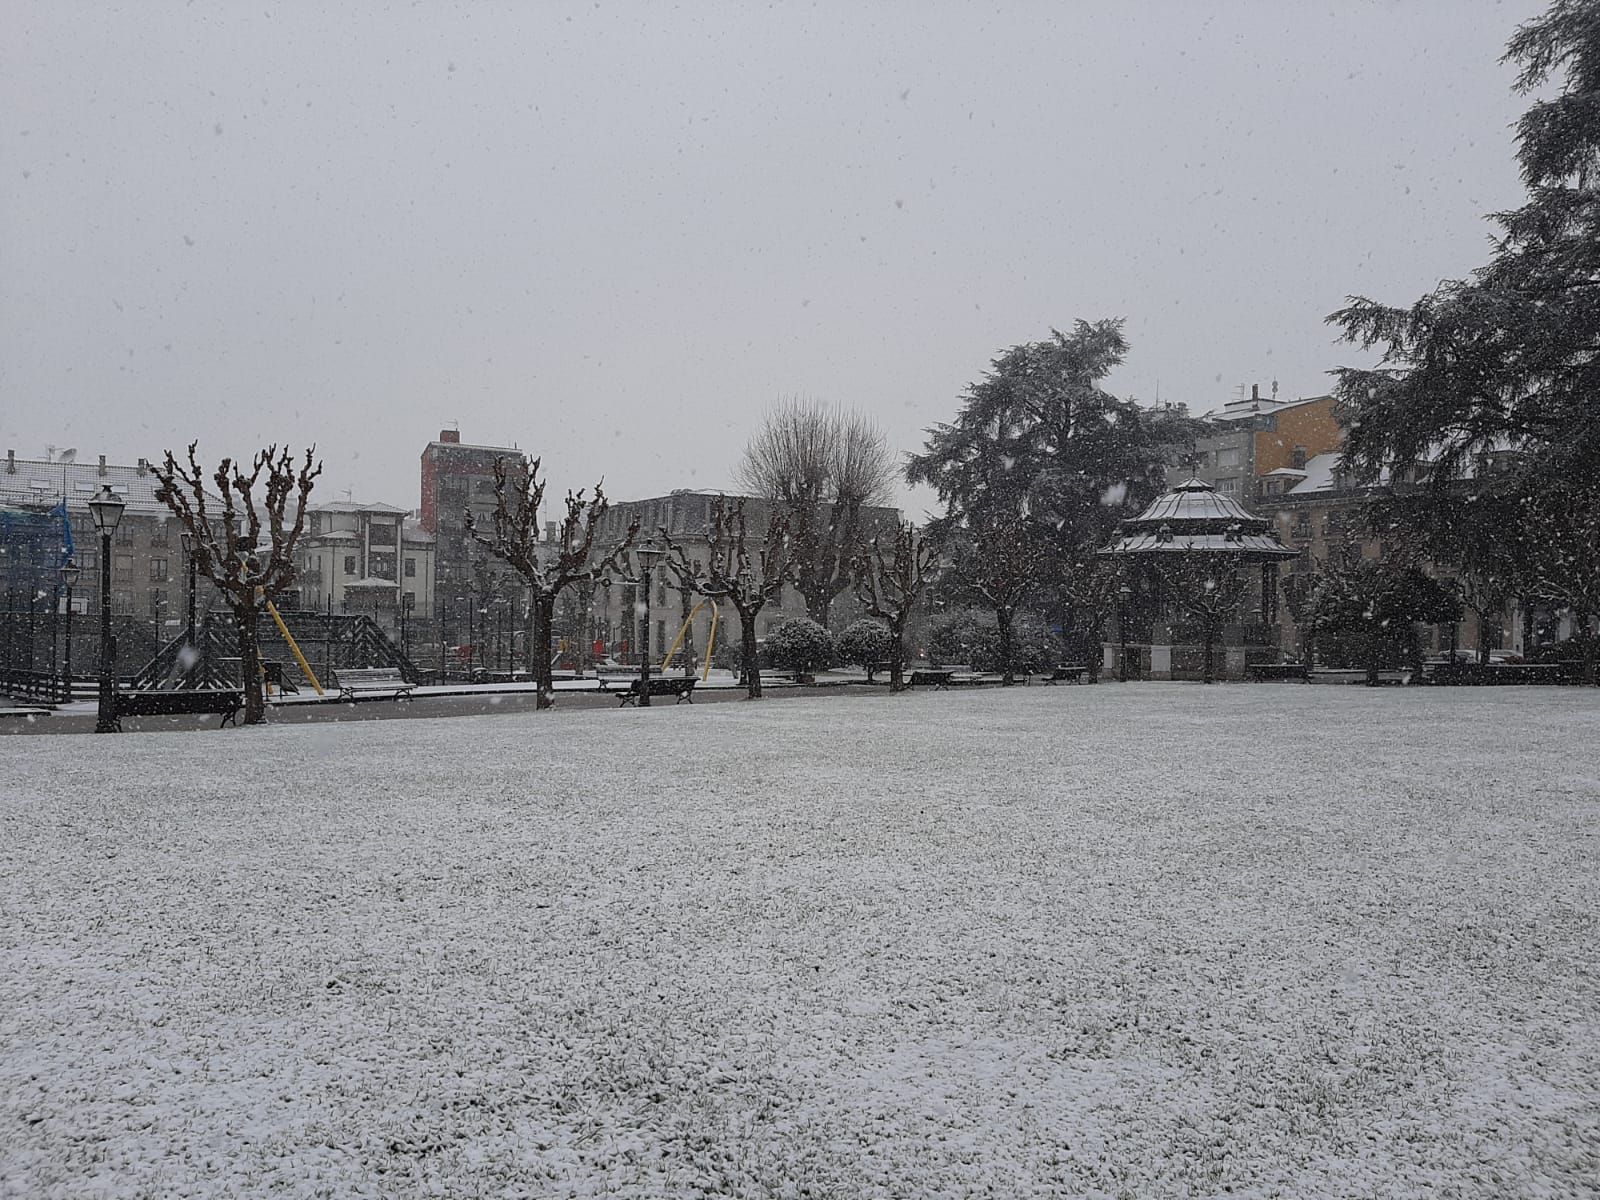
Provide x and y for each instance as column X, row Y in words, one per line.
column 1507, row 358
column 1494, row 381
column 1041, row 449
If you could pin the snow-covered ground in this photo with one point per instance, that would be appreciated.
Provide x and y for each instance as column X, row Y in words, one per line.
column 1115, row 941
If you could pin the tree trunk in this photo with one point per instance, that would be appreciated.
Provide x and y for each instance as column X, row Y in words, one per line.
column 1591, row 653
column 687, row 649
column 749, row 653
column 255, row 704
column 1374, row 650
column 1208, row 673
column 897, row 655
column 539, row 650
column 1002, row 618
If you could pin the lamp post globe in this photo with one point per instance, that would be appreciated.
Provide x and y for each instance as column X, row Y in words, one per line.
column 648, row 554
column 106, row 509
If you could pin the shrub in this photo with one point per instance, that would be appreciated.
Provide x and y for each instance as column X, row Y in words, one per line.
column 865, row 642
column 800, row 645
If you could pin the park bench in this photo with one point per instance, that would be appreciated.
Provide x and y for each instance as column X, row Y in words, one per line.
column 675, row 685
column 356, row 683
column 939, row 678
column 225, row 702
column 1264, row 672
column 276, row 677
column 1071, row 672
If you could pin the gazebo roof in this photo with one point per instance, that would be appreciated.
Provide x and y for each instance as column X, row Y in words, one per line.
column 1193, row 500
column 1194, row 518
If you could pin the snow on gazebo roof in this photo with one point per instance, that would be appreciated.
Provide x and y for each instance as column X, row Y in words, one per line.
column 1194, row 518
column 1192, row 500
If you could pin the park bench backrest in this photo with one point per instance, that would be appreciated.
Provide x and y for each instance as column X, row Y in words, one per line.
column 355, row 677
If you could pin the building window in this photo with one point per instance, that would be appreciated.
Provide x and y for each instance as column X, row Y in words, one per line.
column 158, row 569
column 349, row 564
column 158, row 603
column 122, row 563
column 1299, row 458
column 381, row 566
column 411, row 568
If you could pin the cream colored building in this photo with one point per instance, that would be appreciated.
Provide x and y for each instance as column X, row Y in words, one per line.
column 366, row 558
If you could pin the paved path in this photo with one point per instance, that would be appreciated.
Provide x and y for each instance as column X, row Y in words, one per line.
column 80, row 717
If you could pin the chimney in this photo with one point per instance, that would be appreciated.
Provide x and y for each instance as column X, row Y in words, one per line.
column 144, row 466
column 450, row 435
column 102, row 465
column 1255, row 393
column 550, row 531
column 11, row 462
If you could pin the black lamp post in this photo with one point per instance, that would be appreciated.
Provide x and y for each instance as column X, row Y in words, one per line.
column 649, row 554
column 69, row 576
column 187, row 539
column 1124, row 594
column 106, row 508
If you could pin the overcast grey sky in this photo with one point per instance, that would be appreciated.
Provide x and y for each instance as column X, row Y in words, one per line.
column 615, row 233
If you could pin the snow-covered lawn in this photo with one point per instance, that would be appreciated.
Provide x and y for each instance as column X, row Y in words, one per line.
column 1116, row 941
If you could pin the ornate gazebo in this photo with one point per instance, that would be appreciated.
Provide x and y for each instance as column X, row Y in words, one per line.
column 1201, row 572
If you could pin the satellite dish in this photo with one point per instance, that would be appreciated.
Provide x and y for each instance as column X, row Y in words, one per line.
column 70, row 454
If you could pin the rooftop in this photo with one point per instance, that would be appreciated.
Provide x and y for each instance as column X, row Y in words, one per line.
column 1255, row 406
column 35, row 481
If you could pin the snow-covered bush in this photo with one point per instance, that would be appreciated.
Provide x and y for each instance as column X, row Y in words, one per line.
column 800, row 645
column 865, row 642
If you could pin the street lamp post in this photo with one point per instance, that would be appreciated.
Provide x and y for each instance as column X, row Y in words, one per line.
column 69, row 576
column 55, row 630
column 1124, row 594
column 649, row 554
column 187, row 539
column 106, row 507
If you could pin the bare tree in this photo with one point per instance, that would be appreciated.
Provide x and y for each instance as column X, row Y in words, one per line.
column 228, row 546
column 1566, row 566
column 749, row 579
column 1206, row 586
column 889, row 584
column 1090, row 586
column 550, row 569
column 823, row 466
column 1006, row 557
